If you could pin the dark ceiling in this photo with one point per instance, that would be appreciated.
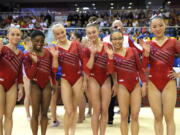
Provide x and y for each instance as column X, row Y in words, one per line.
column 92, row 4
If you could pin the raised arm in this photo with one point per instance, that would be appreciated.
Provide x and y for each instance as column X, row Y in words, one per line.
column 146, row 53
column 30, row 65
column 110, row 63
column 54, row 61
column 177, row 46
column 90, row 62
column 142, row 74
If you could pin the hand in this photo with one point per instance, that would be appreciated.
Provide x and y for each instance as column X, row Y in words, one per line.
column 114, row 89
column 1, row 45
column 174, row 75
column 144, row 90
column 54, row 51
column 93, row 49
column 110, row 52
column 34, row 57
column 145, row 46
column 53, row 88
column 20, row 94
column 84, row 85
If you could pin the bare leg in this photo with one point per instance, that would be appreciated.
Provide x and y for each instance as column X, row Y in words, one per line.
column 36, row 101
column 27, row 95
column 54, row 106
column 46, row 98
column 11, row 97
column 89, row 102
column 155, row 101
column 123, row 100
column 82, row 106
column 169, row 95
column 95, row 94
column 105, row 101
column 2, row 106
column 77, row 96
column 67, row 98
column 135, row 108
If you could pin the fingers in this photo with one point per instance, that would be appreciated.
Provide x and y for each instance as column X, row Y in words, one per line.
column 89, row 42
column 143, row 92
column 84, row 87
column 53, row 91
column 1, row 47
column 20, row 95
column 114, row 93
column 33, row 53
column 172, row 72
column 141, row 42
column 172, row 75
column 106, row 48
column 52, row 49
column 144, row 44
column 114, row 90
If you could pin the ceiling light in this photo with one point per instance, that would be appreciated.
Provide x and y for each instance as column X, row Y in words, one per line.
column 112, row 7
column 112, row 4
column 169, row 2
column 85, row 8
column 93, row 4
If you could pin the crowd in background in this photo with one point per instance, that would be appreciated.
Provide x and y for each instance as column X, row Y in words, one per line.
column 28, row 21
column 135, row 22
column 130, row 18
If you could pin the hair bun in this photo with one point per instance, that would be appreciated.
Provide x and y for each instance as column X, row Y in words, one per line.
column 156, row 16
column 92, row 23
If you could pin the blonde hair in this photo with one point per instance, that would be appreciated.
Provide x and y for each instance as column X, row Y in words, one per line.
column 117, row 21
column 12, row 28
column 58, row 25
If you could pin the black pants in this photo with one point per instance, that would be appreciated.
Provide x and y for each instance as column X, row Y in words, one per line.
column 111, row 108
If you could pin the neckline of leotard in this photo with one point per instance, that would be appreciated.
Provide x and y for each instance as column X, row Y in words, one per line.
column 124, row 55
column 13, row 51
column 68, row 48
column 102, row 48
column 44, row 55
column 99, row 52
column 162, row 44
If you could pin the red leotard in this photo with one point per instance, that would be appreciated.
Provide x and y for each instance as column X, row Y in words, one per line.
column 99, row 70
column 70, row 62
column 10, row 67
column 128, row 68
column 42, row 71
column 161, row 62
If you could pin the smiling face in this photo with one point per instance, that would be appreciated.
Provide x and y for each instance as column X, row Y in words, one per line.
column 38, row 43
column 60, row 34
column 158, row 27
column 92, row 33
column 14, row 36
column 117, row 40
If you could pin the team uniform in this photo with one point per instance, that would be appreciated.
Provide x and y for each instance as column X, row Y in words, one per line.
column 128, row 68
column 11, row 67
column 161, row 61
